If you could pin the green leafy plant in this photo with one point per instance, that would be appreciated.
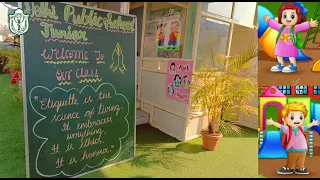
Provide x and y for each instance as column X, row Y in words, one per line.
column 221, row 93
column 14, row 57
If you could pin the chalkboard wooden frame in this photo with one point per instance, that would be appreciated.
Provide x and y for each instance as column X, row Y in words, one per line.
column 25, row 97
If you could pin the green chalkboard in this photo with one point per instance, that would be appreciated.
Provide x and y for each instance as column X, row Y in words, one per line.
column 79, row 88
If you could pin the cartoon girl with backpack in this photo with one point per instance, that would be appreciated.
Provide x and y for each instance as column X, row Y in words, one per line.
column 291, row 21
column 293, row 137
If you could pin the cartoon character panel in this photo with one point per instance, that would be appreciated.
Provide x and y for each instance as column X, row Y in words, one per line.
column 295, row 122
column 289, row 42
column 179, row 76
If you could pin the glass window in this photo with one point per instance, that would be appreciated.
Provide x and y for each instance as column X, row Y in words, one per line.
column 92, row 4
column 286, row 90
column 112, row 6
column 302, row 90
column 164, row 30
column 244, row 13
column 213, row 38
column 316, row 90
column 219, row 8
column 139, row 13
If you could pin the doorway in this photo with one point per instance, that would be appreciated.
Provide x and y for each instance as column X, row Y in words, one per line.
column 272, row 110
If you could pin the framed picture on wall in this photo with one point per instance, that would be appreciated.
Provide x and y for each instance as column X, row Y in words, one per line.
column 169, row 31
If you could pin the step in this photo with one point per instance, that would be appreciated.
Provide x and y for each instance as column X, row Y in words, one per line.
column 142, row 117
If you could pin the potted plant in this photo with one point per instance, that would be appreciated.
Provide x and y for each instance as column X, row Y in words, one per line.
column 221, row 93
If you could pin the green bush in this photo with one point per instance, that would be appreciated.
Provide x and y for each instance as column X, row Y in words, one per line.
column 13, row 55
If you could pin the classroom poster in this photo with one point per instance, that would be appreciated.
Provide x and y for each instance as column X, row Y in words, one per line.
column 169, row 32
column 179, row 76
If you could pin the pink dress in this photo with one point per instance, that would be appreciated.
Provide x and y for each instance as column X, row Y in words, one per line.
column 287, row 49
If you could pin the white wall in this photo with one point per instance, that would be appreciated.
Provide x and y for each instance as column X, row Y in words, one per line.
column 3, row 14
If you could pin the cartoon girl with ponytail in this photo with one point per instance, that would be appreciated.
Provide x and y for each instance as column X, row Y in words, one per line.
column 291, row 21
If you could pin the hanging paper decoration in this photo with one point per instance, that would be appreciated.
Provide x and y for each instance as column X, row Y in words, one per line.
column 169, row 31
column 179, row 76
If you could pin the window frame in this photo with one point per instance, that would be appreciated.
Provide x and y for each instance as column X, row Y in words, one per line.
column 201, row 13
column 204, row 14
column 159, row 59
column 285, row 88
column 316, row 90
column 304, row 90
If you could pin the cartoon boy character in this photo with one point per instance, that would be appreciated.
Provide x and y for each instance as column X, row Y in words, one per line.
column 171, row 90
column 294, row 115
column 172, row 68
column 291, row 21
column 173, row 33
column 161, row 34
column 177, row 81
column 186, row 81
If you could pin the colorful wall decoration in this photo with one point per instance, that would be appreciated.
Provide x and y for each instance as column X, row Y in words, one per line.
column 179, row 76
column 169, row 31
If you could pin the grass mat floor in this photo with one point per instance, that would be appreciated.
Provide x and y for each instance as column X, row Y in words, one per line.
column 157, row 154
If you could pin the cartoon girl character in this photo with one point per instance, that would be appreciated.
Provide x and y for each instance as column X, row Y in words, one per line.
column 186, row 81
column 177, row 81
column 291, row 20
column 294, row 114
column 171, row 90
column 172, row 68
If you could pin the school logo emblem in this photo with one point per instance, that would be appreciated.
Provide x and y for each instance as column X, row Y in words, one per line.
column 18, row 22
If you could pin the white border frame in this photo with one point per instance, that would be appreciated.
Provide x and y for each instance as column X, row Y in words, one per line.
column 25, row 99
column 25, row 93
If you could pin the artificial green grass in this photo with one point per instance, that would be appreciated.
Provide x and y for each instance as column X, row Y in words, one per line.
column 157, row 154
column 12, row 155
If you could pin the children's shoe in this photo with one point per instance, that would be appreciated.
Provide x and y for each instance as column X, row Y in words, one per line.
column 302, row 171
column 285, row 170
column 277, row 68
column 289, row 69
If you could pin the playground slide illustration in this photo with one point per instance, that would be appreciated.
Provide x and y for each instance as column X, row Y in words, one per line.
column 271, row 146
column 315, row 109
column 267, row 36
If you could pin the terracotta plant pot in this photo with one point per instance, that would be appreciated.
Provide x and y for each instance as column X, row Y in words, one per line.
column 209, row 141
